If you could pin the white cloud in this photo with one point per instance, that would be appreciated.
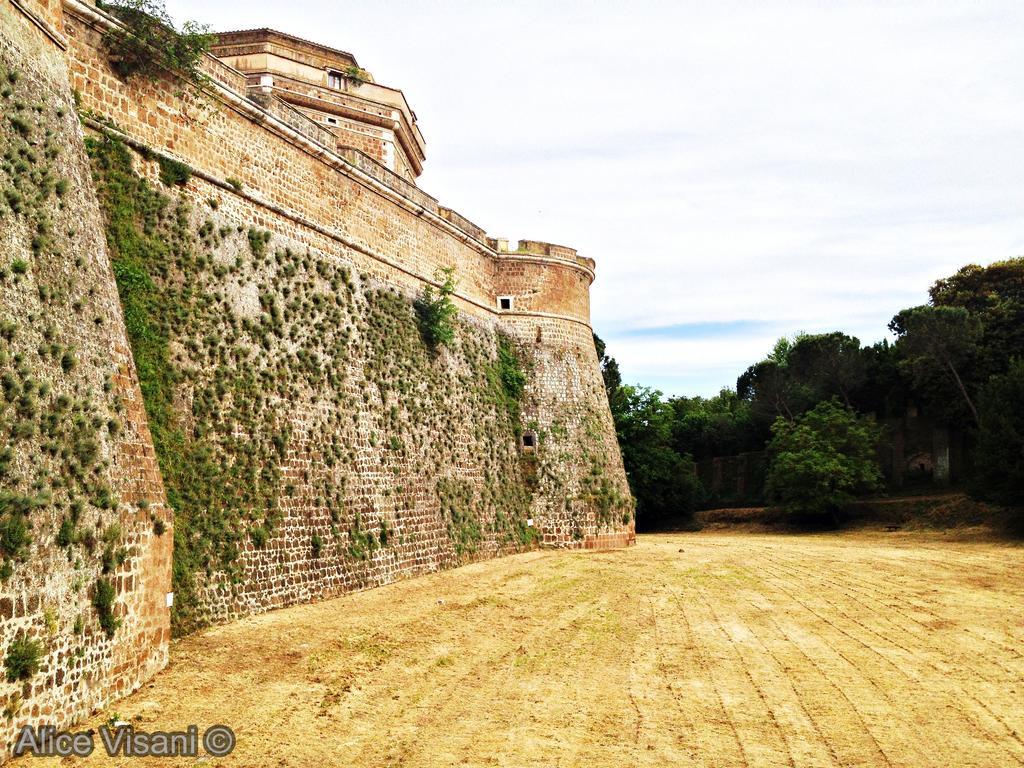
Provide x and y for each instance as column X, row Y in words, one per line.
column 809, row 165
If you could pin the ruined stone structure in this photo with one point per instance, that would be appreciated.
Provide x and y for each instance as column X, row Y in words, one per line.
column 916, row 452
column 209, row 336
column 920, row 452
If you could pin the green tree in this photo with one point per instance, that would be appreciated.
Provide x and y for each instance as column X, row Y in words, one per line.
column 887, row 388
column 664, row 483
column 609, row 368
column 436, row 312
column 940, row 340
column 722, row 425
column 147, row 43
column 822, row 460
column 828, row 364
column 999, row 456
column 995, row 295
column 772, row 387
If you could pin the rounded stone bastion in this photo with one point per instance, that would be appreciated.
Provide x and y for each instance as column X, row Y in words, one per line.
column 542, row 296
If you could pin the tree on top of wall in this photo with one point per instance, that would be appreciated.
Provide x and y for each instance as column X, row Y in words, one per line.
column 147, row 43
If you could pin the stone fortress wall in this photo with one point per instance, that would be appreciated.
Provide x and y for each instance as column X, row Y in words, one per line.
column 85, row 532
column 339, row 453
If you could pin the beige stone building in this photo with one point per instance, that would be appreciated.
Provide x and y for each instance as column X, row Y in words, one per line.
column 330, row 87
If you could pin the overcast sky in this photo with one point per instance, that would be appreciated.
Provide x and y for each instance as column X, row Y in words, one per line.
column 739, row 170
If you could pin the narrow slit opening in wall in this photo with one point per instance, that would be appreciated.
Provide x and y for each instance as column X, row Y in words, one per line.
column 529, row 442
column 332, row 120
column 504, row 302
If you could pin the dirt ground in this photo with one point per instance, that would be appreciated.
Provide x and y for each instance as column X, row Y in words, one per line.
column 700, row 649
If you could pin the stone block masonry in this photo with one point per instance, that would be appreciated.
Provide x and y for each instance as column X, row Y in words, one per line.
column 85, row 533
column 226, row 354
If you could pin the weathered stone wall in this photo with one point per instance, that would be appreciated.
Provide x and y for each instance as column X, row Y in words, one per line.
column 545, row 286
column 320, row 209
column 225, row 140
column 581, row 497
column 373, row 458
column 85, row 534
column 308, row 439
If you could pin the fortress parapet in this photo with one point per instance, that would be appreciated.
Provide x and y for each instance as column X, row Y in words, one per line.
column 543, row 278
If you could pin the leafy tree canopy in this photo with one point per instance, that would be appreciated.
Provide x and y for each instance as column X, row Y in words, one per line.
column 820, row 461
column 609, row 368
column 828, row 364
column 663, row 482
column 722, row 425
column 995, row 295
column 149, row 45
column 938, row 342
column 1000, row 453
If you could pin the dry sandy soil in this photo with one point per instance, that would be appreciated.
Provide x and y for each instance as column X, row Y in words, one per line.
column 708, row 649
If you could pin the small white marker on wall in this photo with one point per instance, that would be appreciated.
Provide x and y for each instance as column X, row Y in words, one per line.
column 529, row 522
column 170, row 599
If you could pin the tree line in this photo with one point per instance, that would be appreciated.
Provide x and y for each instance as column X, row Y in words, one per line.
column 816, row 401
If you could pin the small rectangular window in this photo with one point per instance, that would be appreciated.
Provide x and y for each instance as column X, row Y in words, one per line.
column 332, row 120
column 529, row 442
column 505, row 302
column 334, row 80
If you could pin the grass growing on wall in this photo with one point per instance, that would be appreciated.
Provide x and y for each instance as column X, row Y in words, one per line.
column 220, row 390
column 281, row 387
column 508, row 380
column 61, row 413
column 158, row 278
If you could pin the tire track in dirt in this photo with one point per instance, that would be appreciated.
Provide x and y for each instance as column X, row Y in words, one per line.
column 838, row 689
column 941, row 672
column 811, row 747
column 951, row 661
column 884, row 609
column 701, row 650
column 882, row 685
column 955, row 574
column 735, row 643
column 665, row 731
column 911, row 589
column 718, row 721
column 471, row 695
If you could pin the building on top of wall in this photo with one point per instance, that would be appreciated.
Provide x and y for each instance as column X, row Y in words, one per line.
column 328, row 86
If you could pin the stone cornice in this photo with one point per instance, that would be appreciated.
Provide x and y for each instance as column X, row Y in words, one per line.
column 46, row 28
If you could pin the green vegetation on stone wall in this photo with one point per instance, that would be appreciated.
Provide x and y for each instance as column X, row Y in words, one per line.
column 436, row 311
column 149, row 46
column 508, row 380
column 23, row 657
column 59, row 413
column 403, row 369
column 220, row 462
column 248, row 355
